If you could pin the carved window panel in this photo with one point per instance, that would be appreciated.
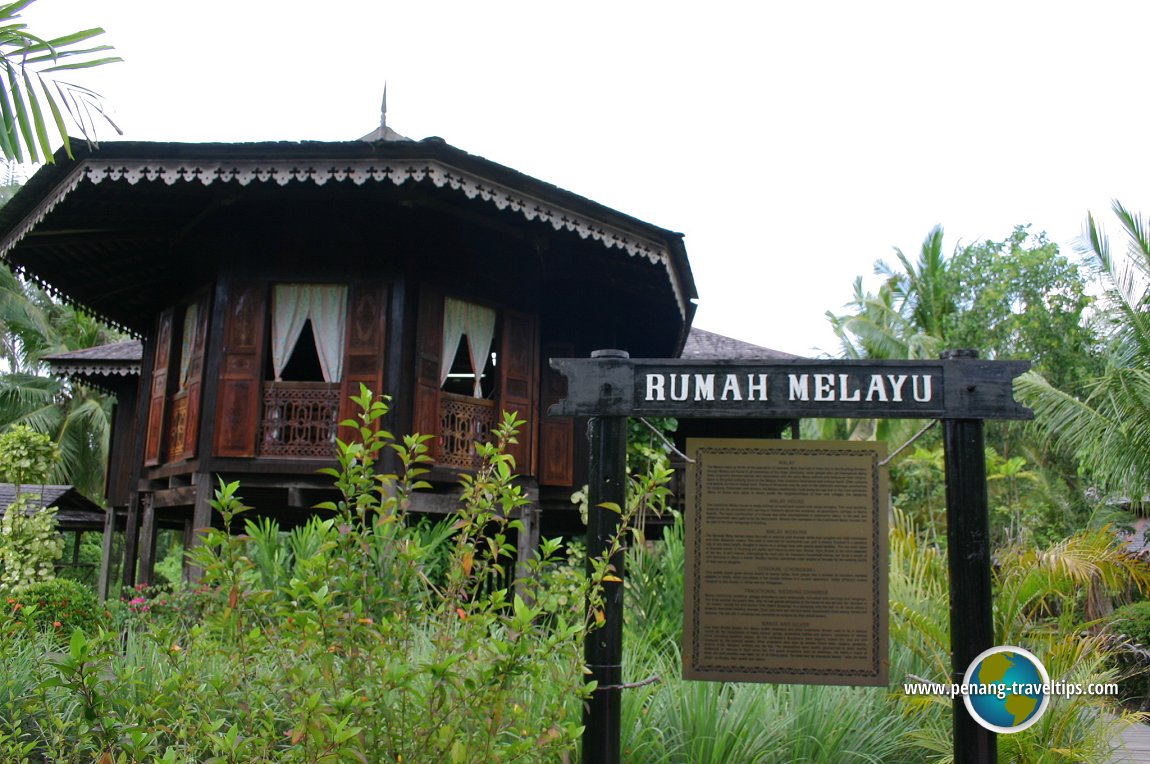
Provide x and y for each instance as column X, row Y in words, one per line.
column 299, row 420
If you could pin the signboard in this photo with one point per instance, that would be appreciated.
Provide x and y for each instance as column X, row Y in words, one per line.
column 763, row 603
column 955, row 388
column 786, row 547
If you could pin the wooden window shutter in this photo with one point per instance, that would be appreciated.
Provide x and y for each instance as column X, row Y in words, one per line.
column 195, row 379
column 158, row 393
column 363, row 360
column 518, row 367
column 556, row 434
column 425, row 407
column 241, row 371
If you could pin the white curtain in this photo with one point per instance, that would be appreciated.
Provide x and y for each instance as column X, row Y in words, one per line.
column 454, row 327
column 326, row 306
column 191, row 316
column 480, row 333
column 477, row 323
column 328, row 315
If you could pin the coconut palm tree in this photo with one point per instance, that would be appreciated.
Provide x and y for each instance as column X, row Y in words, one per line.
column 1106, row 424
column 902, row 320
column 905, row 318
column 923, row 287
column 78, row 419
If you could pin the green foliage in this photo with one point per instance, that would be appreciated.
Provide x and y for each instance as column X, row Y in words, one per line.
column 1020, row 298
column 1102, row 422
column 1038, row 605
column 26, row 456
column 654, row 588
column 904, row 318
column 30, row 541
column 32, row 326
column 358, row 637
column 35, row 100
column 1133, row 622
column 58, row 606
column 1132, row 658
column 1015, row 298
column 30, row 544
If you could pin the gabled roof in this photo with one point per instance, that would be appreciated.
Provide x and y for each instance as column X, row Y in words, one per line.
column 98, row 230
column 75, row 511
column 703, row 345
column 115, row 359
column 104, row 367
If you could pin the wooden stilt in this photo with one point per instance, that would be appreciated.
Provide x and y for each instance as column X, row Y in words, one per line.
column 107, row 564
column 201, row 522
column 131, row 537
column 147, row 570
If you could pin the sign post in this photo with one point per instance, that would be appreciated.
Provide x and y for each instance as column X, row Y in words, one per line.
column 603, row 648
column 958, row 388
column 968, row 552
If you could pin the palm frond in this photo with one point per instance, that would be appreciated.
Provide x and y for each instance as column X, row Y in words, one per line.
column 30, row 64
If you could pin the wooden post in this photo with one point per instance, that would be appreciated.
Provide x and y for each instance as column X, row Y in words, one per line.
column 107, row 564
column 968, row 548
column 527, row 542
column 131, row 538
column 201, row 522
column 603, row 648
column 147, row 569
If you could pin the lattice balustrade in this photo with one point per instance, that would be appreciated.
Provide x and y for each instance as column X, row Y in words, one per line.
column 299, row 420
column 463, row 422
column 177, row 427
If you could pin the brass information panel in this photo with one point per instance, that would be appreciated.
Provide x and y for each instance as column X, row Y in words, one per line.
column 786, row 545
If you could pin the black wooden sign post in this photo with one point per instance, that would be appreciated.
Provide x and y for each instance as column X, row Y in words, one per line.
column 968, row 556
column 603, row 649
column 959, row 389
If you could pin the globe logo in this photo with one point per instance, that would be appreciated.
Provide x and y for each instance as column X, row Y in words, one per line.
column 1008, row 689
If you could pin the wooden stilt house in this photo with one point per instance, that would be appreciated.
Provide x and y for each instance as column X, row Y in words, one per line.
column 267, row 281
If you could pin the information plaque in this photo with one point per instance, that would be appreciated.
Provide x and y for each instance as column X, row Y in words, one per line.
column 786, row 547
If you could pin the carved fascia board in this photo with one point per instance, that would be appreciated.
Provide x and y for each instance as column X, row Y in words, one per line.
column 284, row 172
column 93, row 370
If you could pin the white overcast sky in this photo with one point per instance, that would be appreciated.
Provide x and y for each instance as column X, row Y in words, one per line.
column 792, row 143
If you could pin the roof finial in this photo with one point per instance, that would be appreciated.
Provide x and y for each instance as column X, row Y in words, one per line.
column 383, row 111
column 383, row 132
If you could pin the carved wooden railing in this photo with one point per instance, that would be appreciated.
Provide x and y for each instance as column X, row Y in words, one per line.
column 299, row 419
column 177, row 426
column 463, row 422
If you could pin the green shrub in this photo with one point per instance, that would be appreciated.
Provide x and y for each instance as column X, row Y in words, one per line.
column 30, row 542
column 59, row 605
column 1132, row 624
column 356, row 637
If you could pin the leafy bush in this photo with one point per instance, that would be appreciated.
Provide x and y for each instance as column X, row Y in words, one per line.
column 30, row 543
column 59, row 605
column 1132, row 623
column 26, row 456
column 362, row 638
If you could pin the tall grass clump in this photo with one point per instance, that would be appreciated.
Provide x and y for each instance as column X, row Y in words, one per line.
column 669, row 719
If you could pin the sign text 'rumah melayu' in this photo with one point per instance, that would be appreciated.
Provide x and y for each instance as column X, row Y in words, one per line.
column 963, row 388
